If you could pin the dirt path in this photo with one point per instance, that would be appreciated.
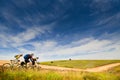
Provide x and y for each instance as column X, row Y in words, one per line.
column 96, row 69
column 102, row 68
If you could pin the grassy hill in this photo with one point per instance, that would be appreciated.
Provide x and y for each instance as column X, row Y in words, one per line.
column 112, row 74
column 80, row 63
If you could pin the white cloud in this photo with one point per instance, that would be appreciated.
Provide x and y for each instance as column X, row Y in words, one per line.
column 87, row 48
column 44, row 46
column 50, row 50
column 27, row 35
column 22, row 37
column 49, row 44
column 92, row 46
column 81, row 49
column 115, row 54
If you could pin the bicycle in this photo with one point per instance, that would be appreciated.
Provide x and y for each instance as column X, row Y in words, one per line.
column 12, row 65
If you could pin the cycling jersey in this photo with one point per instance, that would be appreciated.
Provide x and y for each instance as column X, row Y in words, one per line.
column 27, row 56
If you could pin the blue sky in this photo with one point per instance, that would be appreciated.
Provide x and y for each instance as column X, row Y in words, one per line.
column 60, row 29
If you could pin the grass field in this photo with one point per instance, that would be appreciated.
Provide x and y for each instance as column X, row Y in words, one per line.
column 59, row 75
column 42, row 74
column 79, row 63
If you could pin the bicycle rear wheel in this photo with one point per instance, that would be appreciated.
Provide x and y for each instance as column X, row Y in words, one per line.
column 7, row 67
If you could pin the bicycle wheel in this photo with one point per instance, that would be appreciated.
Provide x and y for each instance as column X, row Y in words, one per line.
column 24, row 67
column 34, row 67
column 7, row 66
column 38, row 67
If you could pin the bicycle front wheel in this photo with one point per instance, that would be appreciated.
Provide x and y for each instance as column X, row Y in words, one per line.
column 7, row 67
column 34, row 67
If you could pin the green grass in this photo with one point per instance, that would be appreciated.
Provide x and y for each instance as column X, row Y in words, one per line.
column 56, row 75
column 80, row 63
column 112, row 74
column 115, row 70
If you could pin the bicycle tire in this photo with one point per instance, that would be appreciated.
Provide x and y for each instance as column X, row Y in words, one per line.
column 7, row 66
column 33, row 67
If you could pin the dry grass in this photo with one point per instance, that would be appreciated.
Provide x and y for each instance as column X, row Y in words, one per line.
column 56, row 75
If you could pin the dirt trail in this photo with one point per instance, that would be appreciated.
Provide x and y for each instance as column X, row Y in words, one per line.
column 102, row 68
column 96, row 69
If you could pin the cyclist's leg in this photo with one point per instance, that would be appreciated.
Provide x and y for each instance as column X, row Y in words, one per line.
column 33, row 62
column 27, row 61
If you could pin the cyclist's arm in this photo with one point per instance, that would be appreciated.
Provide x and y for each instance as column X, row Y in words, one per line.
column 31, row 59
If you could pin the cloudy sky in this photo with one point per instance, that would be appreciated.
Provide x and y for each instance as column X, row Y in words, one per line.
column 60, row 29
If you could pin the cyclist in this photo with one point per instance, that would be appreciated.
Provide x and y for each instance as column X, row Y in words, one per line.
column 28, row 58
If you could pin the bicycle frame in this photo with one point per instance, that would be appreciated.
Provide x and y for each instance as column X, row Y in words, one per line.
column 14, row 62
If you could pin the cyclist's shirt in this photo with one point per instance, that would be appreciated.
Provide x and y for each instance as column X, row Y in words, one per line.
column 27, row 56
